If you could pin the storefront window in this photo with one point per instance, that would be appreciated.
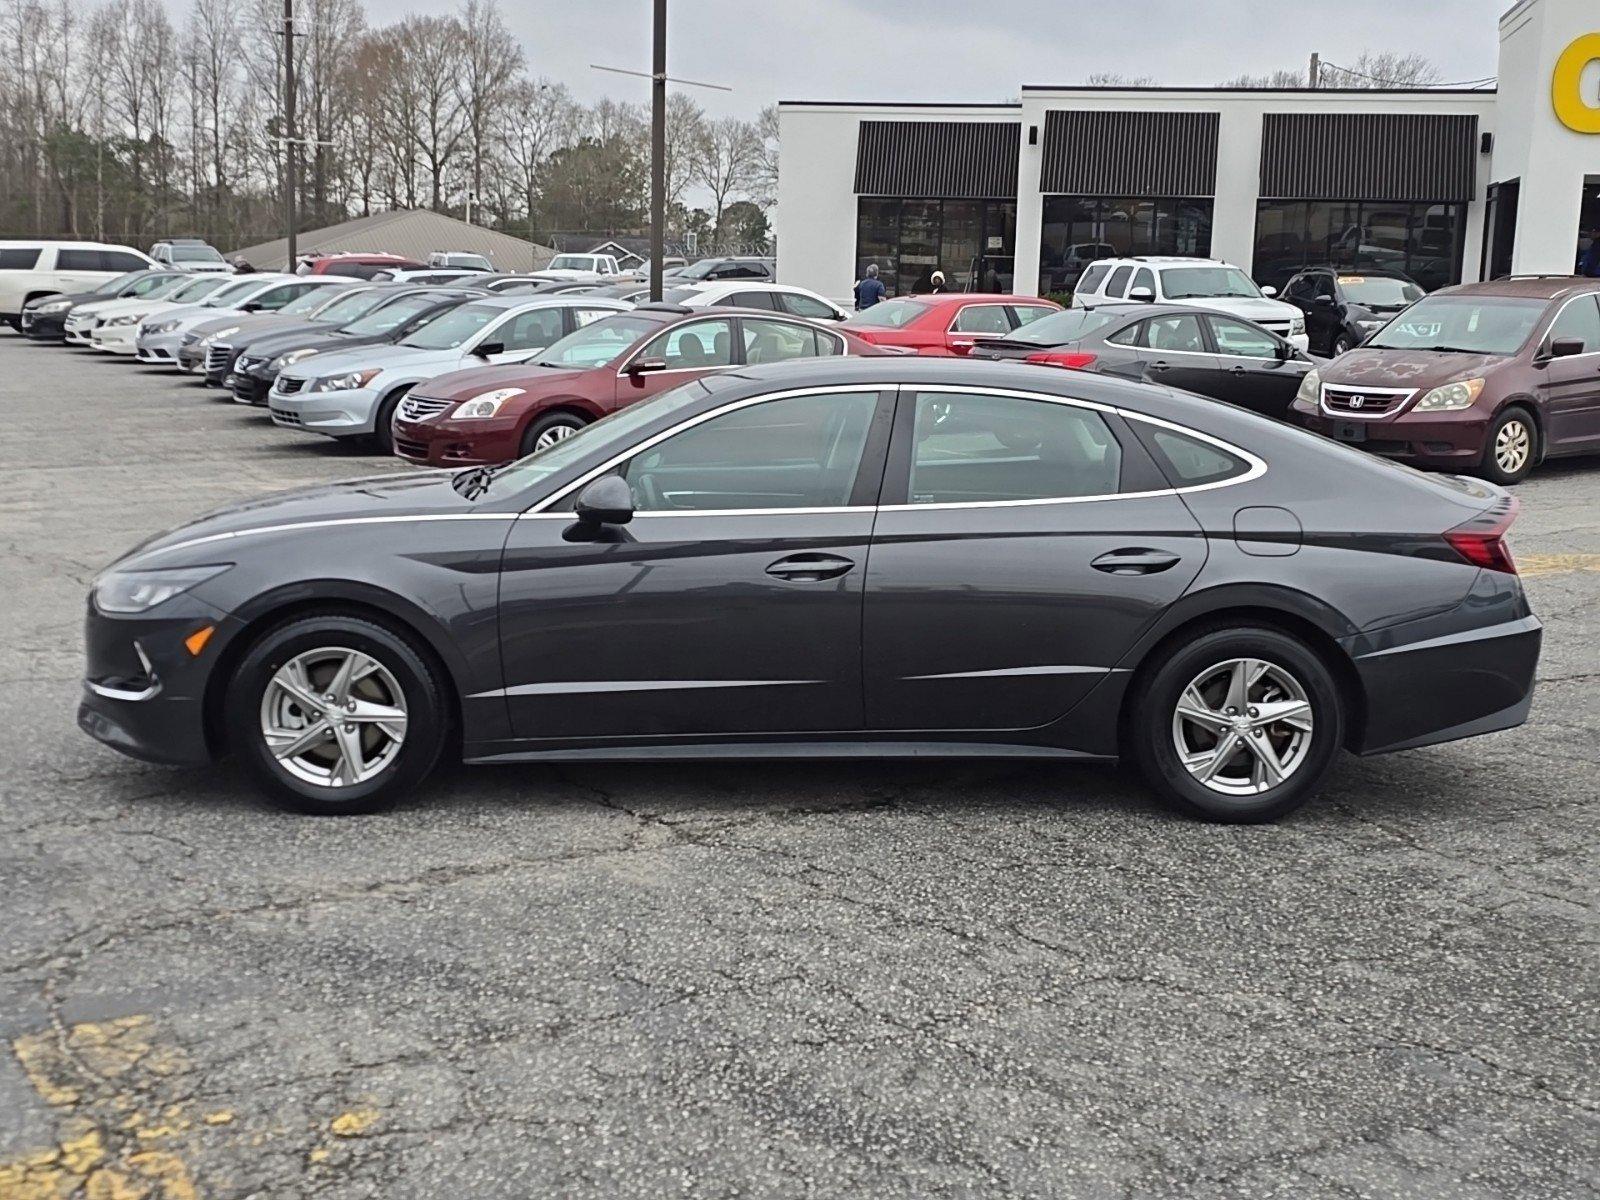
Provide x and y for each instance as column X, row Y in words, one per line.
column 1422, row 241
column 1080, row 229
column 972, row 241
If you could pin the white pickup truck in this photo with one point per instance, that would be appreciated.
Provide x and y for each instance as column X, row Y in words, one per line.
column 579, row 266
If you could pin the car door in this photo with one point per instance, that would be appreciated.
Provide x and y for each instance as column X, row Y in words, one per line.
column 684, row 352
column 1023, row 545
column 1174, row 351
column 1325, row 313
column 1570, row 385
column 975, row 324
column 77, row 270
column 729, row 605
column 1255, row 369
column 768, row 340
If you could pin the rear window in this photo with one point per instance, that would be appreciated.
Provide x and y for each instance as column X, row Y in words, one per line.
column 1092, row 277
column 19, row 258
column 888, row 314
column 1066, row 326
column 80, row 260
column 1190, row 461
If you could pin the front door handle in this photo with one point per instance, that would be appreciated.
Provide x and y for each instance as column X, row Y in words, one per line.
column 810, row 568
column 1159, row 365
column 1135, row 560
column 1237, row 370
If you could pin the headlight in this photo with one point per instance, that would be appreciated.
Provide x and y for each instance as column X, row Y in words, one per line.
column 1451, row 396
column 123, row 321
column 1310, row 389
column 346, row 382
column 284, row 360
column 485, row 405
column 168, row 326
column 136, row 591
column 1297, row 325
column 221, row 333
column 54, row 306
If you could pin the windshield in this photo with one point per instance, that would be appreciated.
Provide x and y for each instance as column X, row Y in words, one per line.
column 195, row 254
column 308, row 302
column 681, row 295
column 1379, row 291
column 111, row 286
column 391, row 315
column 190, row 290
column 697, row 270
column 1189, row 283
column 1060, row 328
column 453, row 327
column 232, row 292
column 571, row 262
column 349, row 306
column 612, row 433
column 1476, row 324
column 598, row 343
column 888, row 314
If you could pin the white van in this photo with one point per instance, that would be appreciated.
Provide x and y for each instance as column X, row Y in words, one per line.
column 35, row 267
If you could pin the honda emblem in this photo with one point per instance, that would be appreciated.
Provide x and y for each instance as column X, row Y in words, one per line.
column 1358, row 401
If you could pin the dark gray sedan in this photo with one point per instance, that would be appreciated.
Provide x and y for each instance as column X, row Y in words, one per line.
column 853, row 557
column 1209, row 353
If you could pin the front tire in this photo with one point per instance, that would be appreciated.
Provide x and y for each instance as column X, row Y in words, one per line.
column 336, row 714
column 1511, row 447
column 548, row 430
column 1341, row 344
column 383, row 420
column 1237, row 724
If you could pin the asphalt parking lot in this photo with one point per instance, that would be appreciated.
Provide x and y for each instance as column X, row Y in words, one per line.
column 813, row 980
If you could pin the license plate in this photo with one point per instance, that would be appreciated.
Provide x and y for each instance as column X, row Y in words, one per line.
column 1350, row 431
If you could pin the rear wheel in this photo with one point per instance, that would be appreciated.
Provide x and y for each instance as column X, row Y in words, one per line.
column 1237, row 724
column 336, row 714
column 548, row 430
column 1511, row 447
column 1341, row 344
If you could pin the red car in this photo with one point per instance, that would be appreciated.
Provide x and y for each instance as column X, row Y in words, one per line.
column 359, row 266
column 494, row 414
column 950, row 323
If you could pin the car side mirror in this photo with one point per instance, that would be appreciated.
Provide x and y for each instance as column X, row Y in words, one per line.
column 1269, row 290
column 606, row 501
column 1565, row 347
column 489, row 349
column 646, row 366
column 1326, row 301
column 1143, row 294
column 250, row 306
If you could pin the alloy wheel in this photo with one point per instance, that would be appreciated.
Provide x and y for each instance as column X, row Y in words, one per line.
column 333, row 716
column 556, row 433
column 1243, row 726
column 1512, row 445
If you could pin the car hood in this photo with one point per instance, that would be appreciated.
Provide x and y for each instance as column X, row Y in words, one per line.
column 119, row 308
column 1248, row 307
column 273, row 342
column 457, row 386
column 76, row 299
column 210, row 537
column 251, row 325
column 1375, row 367
column 365, row 358
column 190, row 315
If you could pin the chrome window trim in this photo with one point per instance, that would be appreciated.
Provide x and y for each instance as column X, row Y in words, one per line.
column 639, row 353
column 1406, row 396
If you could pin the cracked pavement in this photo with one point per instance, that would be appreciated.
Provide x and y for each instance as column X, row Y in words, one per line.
column 803, row 979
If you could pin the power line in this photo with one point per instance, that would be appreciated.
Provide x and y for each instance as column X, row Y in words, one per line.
column 1480, row 82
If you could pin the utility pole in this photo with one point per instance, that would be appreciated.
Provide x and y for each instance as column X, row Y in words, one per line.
column 291, row 148
column 1315, row 74
column 658, row 151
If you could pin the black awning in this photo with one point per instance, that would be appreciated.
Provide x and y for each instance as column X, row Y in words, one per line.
column 1118, row 153
column 938, row 159
column 1369, row 156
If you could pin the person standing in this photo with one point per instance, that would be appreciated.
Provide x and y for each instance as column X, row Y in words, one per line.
column 939, row 284
column 869, row 288
column 1591, row 258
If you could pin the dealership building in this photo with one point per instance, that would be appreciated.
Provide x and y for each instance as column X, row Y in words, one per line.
column 1445, row 185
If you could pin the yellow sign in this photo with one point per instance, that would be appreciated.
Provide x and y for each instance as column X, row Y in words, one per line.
column 1566, row 91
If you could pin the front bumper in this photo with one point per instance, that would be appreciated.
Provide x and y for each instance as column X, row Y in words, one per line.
column 78, row 330
column 159, row 349
column 1447, row 440
column 143, row 691
column 337, row 414
column 46, row 327
column 251, row 385
column 115, row 339
column 457, row 443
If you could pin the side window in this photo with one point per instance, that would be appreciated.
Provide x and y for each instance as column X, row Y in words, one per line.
column 1324, row 286
column 1242, row 340
column 1189, row 461
column 695, row 346
column 806, row 306
column 798, row 452
column 1092, row 277
column 532, row 330
column 776, row 341
column 753, row 300
column 1579, row 319
column 982, row 448
column 982, row 318
column 121, row 260
column 1133, row 335
column 1118, row 286
column 19, row 258
column 1026, row 314
column 78, row 260
column 1179, row 333
column 585, row 316
column 275, row 298
column 148, row 284
column 1146, row 278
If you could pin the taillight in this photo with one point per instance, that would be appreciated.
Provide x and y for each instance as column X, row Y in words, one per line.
column 1481, row 541
column 1071, row 360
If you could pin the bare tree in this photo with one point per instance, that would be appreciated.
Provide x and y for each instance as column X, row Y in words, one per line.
column 685, row 137
column 730, row 154
column 538, row 116
column 764, row 177
column 492, row 59
column 1117, row 79
column 1370, row 70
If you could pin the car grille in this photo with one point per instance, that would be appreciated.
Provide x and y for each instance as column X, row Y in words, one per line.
column 1281, row 328
column 420, row 408
column 243, row 364
column 1367, row 402
column 217, row 357
column 283, row 416
column 288, row 385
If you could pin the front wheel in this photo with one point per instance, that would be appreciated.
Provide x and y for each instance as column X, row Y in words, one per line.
column 383, row 420
column 548, row 430
column 1509, row 449
column 1237, row 724
column 336, row 714
column 1341, row 344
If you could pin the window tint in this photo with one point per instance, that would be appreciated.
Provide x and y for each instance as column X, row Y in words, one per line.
column 752, row 300
column 1146, row 278
column 598, row 342
column 972, row 448
column 583, row 316
column 1026, row 314
column 695, row 346
column 1242, row 340
column 1133, row 335
column 1301, row 287
column 532, row 330
column 1092, row 277
column 776, row 341
column 1179, row 333
column 121, row 260
column 18, row 258
column 1190, row 461
column 80, row 260
column 144, row 285
column 275, row 298
column 1579, row 319
column 798, row 452
column 806, row 306
column 1119, row 281
column 982, row 318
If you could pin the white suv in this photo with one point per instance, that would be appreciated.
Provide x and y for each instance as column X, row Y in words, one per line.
column 579, row 266
column 30, row 269
column 1207, row 283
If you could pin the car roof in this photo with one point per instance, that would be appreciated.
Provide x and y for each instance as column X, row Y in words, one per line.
column 1529, row 287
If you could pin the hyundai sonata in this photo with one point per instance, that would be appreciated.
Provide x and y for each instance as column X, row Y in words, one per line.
column 848, row 556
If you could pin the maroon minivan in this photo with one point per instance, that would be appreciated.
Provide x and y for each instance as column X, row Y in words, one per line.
column 1486, row 378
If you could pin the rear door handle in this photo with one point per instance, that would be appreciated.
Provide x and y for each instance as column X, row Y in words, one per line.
column 1237, row 370
column 810, row 568
column 1135, row 560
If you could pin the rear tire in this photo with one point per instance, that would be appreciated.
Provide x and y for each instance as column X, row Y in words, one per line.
column 1510, row 448
column 391, row 716
column 1341, row 344
column 1262, row 699
column 549, row 429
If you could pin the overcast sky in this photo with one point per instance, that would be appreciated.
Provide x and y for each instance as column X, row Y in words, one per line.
column 971, row 50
